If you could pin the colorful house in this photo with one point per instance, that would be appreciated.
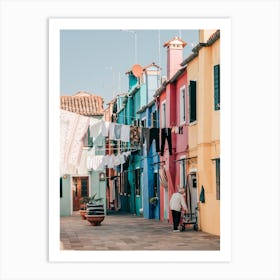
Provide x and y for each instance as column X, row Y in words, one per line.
column 80, row 181
column 129, row 176
column 112, row 182
column 172, row 102
column 203, row 153
column 150, row 148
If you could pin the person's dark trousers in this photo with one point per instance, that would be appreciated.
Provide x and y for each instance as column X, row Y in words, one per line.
column 166, row 134
column 176, row 219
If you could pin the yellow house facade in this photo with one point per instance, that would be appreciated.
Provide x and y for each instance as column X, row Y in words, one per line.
column 203, row 153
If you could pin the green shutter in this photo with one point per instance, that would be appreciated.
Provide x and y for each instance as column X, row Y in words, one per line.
column 84, row 191
column 217, row 87
column 218, row 179
column 192, row 100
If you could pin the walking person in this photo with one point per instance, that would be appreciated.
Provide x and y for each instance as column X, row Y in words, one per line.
column 177, row 203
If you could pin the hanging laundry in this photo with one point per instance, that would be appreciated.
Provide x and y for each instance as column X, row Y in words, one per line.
column 112, row 131
column 117, row 130
column 181, row 129
column 105, row 128
column 150, row 134
column 95, row 163
column 175, row 129
column 125, row 133
column 202, row 195
column 135, row 136
column 163, row 178
column 111, row 161
column 82, row 168
column 166, row 134
column 95, row 128
column 73, row 128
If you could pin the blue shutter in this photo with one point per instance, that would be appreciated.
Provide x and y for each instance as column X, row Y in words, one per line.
column 217, row 87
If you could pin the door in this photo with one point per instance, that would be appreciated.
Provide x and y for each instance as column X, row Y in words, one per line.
column 79, row 190
column 192, row 193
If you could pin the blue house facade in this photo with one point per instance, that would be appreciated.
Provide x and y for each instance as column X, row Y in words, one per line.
column 133, row 195
column 150, row 195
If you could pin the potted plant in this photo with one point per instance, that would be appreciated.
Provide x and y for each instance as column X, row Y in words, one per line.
column 83, row 209
column 95, row 210
column 154, row 201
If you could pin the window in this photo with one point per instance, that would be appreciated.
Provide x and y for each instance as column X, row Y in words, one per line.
column 156, row 184
column 183, row 104
column 154, row 119
column 217, row 179
column 163, row 118
column 217, row 87
column 143, row 122
column 60, row 186
column 88, row 141
column 84, row 190
column 124, row 184
column 183, row 172
column 192, row 101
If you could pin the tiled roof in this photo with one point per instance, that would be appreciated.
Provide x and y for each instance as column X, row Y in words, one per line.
column 213, row 38
column 83, row 103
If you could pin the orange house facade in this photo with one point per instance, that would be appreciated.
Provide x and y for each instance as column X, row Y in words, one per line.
column 189, row 105
column 203, row 153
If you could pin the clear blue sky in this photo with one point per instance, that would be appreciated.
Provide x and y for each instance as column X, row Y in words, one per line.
column 96, row 60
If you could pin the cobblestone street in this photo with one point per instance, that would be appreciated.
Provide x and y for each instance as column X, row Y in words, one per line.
column 129, row 232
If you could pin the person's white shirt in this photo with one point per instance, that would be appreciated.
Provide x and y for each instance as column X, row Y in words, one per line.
column 177, row 202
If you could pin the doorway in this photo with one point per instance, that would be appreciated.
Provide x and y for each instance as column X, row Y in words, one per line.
column 80, row 188
column 192, row 192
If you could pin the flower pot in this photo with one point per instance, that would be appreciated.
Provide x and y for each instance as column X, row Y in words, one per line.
column 95, row 213
column 95, row 220
column 83, row 213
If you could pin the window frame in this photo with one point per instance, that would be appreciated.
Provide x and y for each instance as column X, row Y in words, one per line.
column 218, row 176
column 192, row 97
column 182, row 113
column 183, row 177
column 163, row 116
column 216, row 85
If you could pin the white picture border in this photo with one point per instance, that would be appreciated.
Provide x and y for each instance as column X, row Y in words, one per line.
column 24, row 117
column 58, row 24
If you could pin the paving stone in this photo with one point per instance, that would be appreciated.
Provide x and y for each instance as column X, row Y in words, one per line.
column 130, row 232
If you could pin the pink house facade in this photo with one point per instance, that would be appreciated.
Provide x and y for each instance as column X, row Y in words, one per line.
column 172, row 105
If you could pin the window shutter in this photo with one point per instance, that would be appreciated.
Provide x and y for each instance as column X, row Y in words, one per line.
column 89, row 139
column 60, row 186
column 192, row 100
column 217, row 87
column 218, row 179
column 155, row 119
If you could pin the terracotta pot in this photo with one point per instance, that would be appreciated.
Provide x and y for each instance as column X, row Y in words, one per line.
column 83, row 213
column 95, row 220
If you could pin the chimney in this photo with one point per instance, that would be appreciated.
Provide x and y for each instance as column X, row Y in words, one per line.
column 174, row 55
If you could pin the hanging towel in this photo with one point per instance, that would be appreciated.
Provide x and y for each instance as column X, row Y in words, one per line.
column 202, row 195
column 118, row 130
column 105, row 129
column 95, row 128
column 125, row 133
column 112, row 131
